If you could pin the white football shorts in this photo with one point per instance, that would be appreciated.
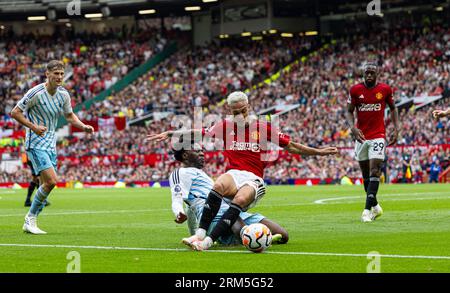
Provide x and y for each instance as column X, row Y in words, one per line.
column 370, row 149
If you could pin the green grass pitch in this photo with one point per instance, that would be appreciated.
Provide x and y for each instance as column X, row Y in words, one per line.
column 132, row 230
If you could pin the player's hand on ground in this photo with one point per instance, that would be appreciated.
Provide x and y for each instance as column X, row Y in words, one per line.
column 158, row 137
column 180, row 218
column 88, row 129
column 393, row 138
column 328, row 151
column 438, row 114
column 358, row 134
column 39, row 130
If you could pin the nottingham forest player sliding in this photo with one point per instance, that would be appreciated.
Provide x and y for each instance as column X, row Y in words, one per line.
column 246, row 143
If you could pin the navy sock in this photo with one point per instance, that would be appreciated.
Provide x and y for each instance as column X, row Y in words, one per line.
column 366, row 184
column 210, row 209
column 372, row 189
column 228, row 219
column 31, row 189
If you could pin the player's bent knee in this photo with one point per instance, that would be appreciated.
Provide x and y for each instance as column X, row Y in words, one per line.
column 375, row 173
column 219, row 187
column 50, row 184
column 242, row 200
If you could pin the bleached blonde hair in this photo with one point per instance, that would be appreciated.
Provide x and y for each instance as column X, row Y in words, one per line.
column 236, row 97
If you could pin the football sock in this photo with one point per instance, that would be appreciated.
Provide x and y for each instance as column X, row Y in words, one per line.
column 31, row 188
column 229, row 217
column 372, row 189
column 210, row 209
column 44, row 203
column 366, row 184
column 38, row 202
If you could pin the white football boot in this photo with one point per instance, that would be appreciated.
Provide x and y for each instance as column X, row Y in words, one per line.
column 202, row 245
column 377, row 211
column 366, row 216
column 30, row 225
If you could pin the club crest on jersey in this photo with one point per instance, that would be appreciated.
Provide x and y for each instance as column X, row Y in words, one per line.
column 379, row 96
column 255, row 135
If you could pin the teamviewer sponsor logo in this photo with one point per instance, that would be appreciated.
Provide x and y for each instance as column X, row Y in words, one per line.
column 369, row 107
column 245, row 146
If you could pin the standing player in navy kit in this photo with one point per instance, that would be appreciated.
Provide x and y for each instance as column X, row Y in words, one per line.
column 369, row 98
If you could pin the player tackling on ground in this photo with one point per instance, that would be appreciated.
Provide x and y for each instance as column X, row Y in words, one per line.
column 369, row 99
column 246, row 142
column 191, row 185
column 39, row 111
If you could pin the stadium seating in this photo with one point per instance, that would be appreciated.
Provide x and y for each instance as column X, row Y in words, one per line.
column 94, row 62
column 203, row 76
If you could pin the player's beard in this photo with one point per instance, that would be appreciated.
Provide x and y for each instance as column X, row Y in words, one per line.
column 370, row 84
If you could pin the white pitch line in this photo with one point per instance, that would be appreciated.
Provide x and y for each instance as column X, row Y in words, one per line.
column 221, row 251
column 91, row 212
column 324, row 200
column 8, row 192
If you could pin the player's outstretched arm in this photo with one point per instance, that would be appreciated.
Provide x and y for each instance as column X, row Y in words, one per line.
column 73, row 119
column 168, row 134
column 17, row 114
column 441, row 113
column 300, row 149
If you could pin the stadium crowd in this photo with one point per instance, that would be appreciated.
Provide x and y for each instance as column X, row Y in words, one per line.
column 94, row 61
column 415, row 62
column 201, row 77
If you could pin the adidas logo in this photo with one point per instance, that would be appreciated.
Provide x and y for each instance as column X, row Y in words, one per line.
column 361, row 96
column 228, row 222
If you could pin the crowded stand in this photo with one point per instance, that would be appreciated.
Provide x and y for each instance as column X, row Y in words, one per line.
column 203, row 76
column 94, row 61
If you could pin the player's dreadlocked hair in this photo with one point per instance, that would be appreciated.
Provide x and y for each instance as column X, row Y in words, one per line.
column 178, row 148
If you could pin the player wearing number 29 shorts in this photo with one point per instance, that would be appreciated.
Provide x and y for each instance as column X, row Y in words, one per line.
column 370, row 149
column 369, row 99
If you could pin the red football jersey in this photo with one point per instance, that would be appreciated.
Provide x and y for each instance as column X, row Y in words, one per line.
column 370, row 104
column 247, row 149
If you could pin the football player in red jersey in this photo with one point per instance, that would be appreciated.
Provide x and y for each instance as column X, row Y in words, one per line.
column 369, row 99
column 246, row 142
